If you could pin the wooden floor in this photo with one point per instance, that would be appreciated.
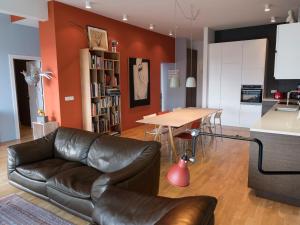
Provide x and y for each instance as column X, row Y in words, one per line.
column 223, row 174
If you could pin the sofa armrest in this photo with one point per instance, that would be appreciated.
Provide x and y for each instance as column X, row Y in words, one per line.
column 134, row 168
column 29, row 152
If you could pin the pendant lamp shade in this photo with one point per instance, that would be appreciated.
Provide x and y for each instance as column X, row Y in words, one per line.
column 190, row 82
column 179, row 174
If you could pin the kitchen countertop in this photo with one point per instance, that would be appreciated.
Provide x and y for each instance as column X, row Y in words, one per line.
column 278, row 122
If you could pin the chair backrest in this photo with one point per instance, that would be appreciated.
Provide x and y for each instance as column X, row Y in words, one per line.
column 149, row 116
column 207, row 119
column 196, row 124
column 218, row 114
column 177, row 109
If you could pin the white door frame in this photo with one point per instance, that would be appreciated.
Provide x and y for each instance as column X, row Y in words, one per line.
column 14, row 89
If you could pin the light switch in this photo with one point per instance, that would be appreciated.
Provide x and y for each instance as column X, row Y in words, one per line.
column 69, row 98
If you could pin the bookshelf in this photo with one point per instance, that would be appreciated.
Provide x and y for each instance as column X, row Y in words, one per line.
column 100, row 87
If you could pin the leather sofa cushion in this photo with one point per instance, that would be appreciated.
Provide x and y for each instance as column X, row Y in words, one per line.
column 112, row 209
column 43, row 170
column 109, row 153
column 73, row 144
column 75, row 182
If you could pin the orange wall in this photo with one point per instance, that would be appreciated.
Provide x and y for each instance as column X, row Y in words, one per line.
column 69, row 35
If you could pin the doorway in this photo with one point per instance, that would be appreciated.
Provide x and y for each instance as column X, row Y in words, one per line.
column 27, row 98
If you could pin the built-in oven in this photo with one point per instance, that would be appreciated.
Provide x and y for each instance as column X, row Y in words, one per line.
column 251, row 94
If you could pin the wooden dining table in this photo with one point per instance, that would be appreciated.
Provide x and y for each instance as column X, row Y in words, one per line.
column 176, row 119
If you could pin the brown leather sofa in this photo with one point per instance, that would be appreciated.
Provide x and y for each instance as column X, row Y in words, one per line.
column 72, row 168
column 120, row 207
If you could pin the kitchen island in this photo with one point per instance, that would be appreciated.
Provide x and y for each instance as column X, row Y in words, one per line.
column 279, row 132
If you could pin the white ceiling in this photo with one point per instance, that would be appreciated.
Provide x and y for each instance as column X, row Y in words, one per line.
column 217, row 14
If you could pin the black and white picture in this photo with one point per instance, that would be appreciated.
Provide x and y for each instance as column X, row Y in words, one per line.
column 139, row 75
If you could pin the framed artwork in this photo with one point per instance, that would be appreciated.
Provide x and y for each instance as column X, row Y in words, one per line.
column 139, row 82
column 97, row 38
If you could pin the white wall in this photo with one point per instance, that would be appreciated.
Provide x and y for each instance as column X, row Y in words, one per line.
column 209, row 37
column 32, row 9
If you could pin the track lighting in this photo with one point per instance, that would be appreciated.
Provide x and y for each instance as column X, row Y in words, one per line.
column 273, row 19
column 125, row 18
column 88, row 4
column 267, row 8
column 151, row 26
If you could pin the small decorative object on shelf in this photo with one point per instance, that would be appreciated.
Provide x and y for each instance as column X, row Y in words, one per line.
column 290, row 18
column 100, row 85
column 114, row 45
column 41, row 118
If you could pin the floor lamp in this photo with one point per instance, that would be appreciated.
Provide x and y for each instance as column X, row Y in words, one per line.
column 179, row 175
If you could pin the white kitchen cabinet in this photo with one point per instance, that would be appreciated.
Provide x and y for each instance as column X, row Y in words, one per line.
column 254, row 62
column 231, row 65
column 249, row 114
column 214, row 80
column 230, row 93
column 287, row 57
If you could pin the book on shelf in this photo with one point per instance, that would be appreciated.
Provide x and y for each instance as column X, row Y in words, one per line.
column 101, row 125
column 98, row 62
column 113, row 91
column 97, row 90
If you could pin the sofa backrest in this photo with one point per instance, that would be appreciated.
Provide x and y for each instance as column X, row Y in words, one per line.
column 110, row 153
column 73, row 144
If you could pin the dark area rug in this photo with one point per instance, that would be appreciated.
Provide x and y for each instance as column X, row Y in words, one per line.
column 14, row 210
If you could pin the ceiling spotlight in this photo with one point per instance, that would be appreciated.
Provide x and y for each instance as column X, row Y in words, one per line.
column 88, row 4
column 267, row 8
column 273, row 19
column 170, row 33
column 125, row 18
column 151, row 26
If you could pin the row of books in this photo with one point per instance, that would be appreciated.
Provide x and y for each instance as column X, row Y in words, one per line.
column 101, row 125
column 97, row 111
column 114, row 117
column 98, row 62
column 97, row 89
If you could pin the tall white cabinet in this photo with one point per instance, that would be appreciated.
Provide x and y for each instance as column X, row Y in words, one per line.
column 287, row 64
column 231, row 65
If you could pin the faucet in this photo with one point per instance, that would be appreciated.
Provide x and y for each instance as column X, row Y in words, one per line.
column 288, row 96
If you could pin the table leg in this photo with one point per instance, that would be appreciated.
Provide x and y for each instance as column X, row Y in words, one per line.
column 172, row 144
column 157, row 133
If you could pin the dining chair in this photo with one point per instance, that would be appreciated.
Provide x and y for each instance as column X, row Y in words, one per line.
column 155, row 131
column 217, row 122
column 185, row 138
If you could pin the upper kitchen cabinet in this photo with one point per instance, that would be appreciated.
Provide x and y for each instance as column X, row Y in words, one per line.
column 254, row 62
column 287, row 64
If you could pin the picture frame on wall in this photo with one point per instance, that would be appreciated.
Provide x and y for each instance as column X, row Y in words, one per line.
column 139, row 82
column 97, row 38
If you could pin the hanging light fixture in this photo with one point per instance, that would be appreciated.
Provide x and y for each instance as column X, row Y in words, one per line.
column 174, row 74
column 273, row 19
column 125, row 18
column 151, row 26
column 267, row 8
column 191, row 81
column 88, row 4
column 170, row 33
